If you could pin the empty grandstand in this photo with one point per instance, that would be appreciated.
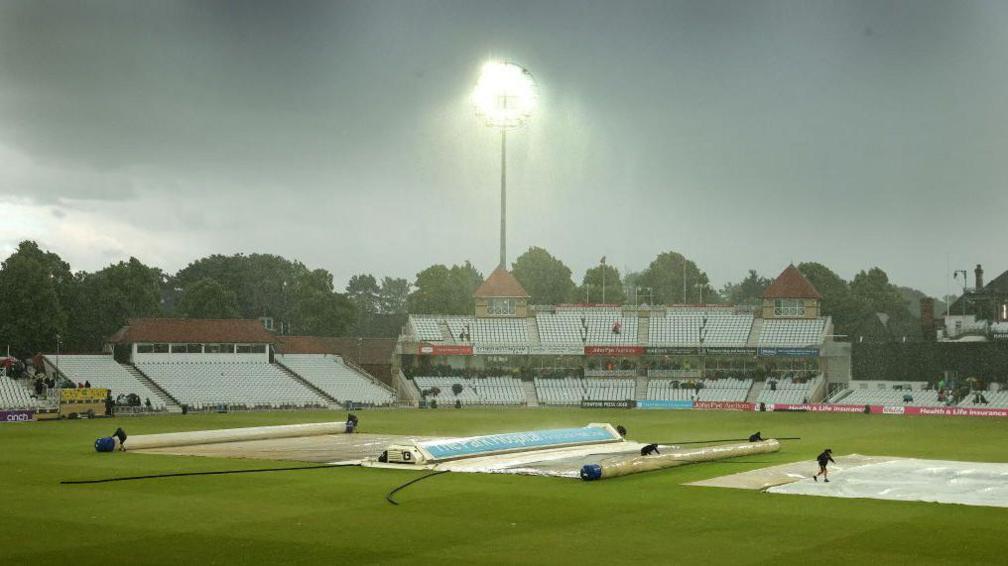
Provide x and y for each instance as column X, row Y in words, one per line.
column 203, row 385
column 593, row 326
column 985, row 399
column 103, row 371
column 572, row 391
column 699, row 327
column 792, row 333
column 911, row 393
column 724, row 389
column 336, row 379
column 789, row 390
column 14, row 394
column 491, row 390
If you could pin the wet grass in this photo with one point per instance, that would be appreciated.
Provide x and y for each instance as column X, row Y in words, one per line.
column 340, row 515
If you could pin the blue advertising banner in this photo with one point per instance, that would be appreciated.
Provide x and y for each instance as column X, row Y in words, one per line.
column 665, row 404
column 508, row 441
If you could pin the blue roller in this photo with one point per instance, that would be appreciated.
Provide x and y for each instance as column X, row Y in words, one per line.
column 591, row 472
column 105, row 444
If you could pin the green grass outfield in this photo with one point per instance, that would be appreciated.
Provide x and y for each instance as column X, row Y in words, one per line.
column 339, row 516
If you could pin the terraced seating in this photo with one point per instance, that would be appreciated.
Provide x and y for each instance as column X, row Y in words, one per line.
column 15, row 394
column 572, row 390
column 426, row 328
column 788, row 390
column 724, row 389
column 493, row 390
column 250, row 384
column 341, row 382
column 995, row 399
column 592, row 326
column 104, row 371
column 890, row 397
column 794, row 333
column 559, row 391
column 681, row 327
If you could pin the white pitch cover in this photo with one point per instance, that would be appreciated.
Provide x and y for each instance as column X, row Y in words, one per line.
column 939, row 481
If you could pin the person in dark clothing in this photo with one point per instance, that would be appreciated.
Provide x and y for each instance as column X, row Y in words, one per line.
column 755, row 437
column 823, row 459
column 121, row 435
column 87, row 385
column 649, row 450
column 351, row 423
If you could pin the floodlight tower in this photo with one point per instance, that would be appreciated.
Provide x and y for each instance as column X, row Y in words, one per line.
column 504, row 97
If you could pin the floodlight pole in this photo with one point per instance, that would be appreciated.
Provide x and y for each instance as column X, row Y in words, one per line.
column 503, row 234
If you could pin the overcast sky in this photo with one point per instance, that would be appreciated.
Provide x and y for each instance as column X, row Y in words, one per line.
column 743, row 134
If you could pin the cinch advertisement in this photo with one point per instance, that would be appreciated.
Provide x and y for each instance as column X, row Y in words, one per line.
column 17, row 416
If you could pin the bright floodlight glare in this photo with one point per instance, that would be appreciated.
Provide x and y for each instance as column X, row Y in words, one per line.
column 505, row 94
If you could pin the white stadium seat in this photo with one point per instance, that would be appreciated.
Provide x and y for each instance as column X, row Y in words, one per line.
column 338, row 380
column 792, row 332
column 723, row 389
column 572, row 390
column 15, row 394
column 493, row 390
column 104, row 371
column 244, row 384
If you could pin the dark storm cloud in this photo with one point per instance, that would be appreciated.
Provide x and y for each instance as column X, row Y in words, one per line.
column 746, row 134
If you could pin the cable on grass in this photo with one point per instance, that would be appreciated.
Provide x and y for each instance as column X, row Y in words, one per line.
column 725, row 440
column 411, row 482
column 208, row 473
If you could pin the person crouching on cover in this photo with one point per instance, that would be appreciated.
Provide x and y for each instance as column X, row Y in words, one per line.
column 351, row 423
column 120, row 434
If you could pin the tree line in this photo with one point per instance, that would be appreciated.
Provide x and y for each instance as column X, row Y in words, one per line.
column 43, row 301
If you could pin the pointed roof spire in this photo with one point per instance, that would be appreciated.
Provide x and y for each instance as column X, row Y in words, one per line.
column 791, row 284
column 501, row 284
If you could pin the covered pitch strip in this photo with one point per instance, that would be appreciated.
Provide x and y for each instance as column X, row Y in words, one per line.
column 595, row 451
column 882, row 477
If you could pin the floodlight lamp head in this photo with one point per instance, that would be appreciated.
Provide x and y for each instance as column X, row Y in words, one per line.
column 505, row 94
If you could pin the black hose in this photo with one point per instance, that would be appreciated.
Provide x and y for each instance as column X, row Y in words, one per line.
column 726, row 440
column 409, row 483
column 212, row 473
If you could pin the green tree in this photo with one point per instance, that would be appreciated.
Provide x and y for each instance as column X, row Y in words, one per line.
column 837, row 300
column 749, row 291
column 591, row 286
column 107, row 299
column 207, row 298
column 303, row 301
column 34, row 286
column 442, row 290
column 666, row 276
column 363, row 292
column 316, row 309
column 546, row 279
column 393, row 295
column 912, row 299
column 262, row 283
column 875, row 294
